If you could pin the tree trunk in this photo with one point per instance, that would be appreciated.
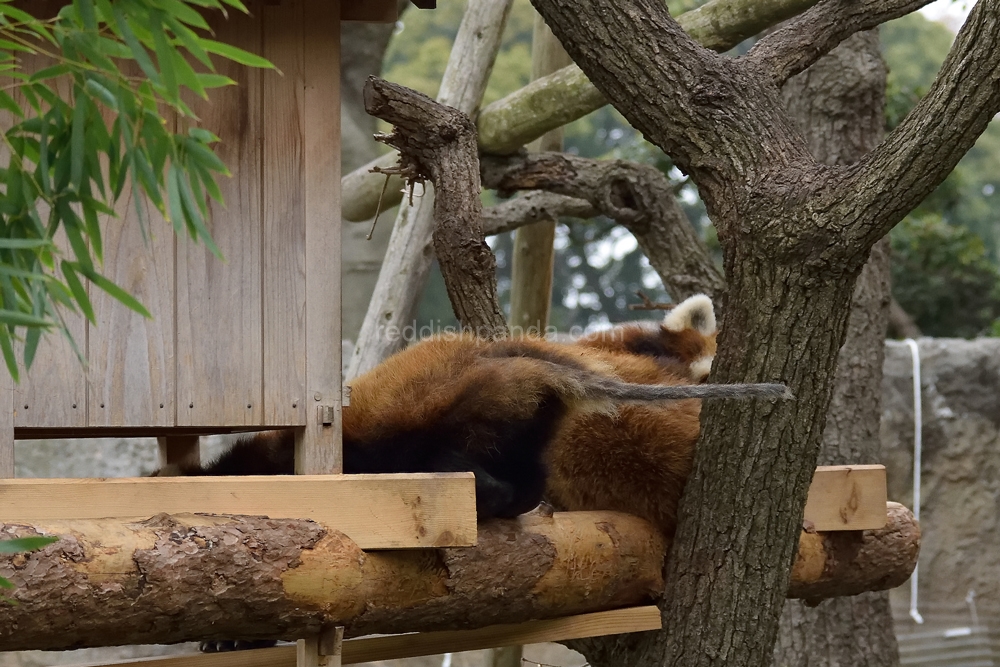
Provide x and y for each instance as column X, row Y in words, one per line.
column 839, row 106
column 795, row 234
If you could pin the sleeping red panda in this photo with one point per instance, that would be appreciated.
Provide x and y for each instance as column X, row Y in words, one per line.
column 501, row 409
column 685, row 336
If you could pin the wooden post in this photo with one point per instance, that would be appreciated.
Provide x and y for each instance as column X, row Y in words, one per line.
column 180, row 450
column 323, row 650
column 534, row 254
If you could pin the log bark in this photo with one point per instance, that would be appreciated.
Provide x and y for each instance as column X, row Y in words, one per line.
column 839, row 106
column 198, row 577
column 795, row 234
column 566, row 95
column 438, row 143
column 408, row 257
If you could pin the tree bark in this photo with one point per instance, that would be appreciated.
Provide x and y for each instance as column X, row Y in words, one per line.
column 438, row 143
column 199, row 577
column 196, row 577
column 795, row 234
column 839, row 106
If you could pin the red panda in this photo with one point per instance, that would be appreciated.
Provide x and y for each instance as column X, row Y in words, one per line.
column 510, row 411
column 685, row 336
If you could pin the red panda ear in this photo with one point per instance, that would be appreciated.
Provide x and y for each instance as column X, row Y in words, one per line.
column 695, row 312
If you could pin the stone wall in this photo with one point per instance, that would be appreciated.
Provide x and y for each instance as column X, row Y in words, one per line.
column 960, row 496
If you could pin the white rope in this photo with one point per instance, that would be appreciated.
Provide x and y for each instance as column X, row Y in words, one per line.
column 917, row 451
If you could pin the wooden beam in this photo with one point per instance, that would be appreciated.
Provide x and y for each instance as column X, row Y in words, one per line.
column 851, row 497
column 375, row 511
column 392, row 647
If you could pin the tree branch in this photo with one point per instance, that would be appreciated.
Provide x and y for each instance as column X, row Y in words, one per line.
column 920, row 153
column 636, row 196
column 802, row 41
column 439, row 143
column 531, row 207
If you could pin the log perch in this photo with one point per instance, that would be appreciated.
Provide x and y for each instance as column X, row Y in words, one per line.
column 194, row 577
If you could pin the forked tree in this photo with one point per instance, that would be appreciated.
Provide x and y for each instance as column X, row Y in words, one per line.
column 795, row 234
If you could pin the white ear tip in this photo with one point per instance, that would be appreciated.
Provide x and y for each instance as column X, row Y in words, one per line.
column 695, row 312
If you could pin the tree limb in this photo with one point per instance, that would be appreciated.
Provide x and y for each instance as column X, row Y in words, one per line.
column 922, row 150
column 438, row 142
column 805, row 39
column 637, row 196
column 531, row 207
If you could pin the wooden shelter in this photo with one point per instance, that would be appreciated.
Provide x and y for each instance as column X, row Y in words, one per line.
column 249, row 342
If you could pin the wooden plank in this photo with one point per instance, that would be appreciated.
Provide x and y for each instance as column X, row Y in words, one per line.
column 851, row 497
column 325, row 650
column 371, row 11
column 6, row 424
column 318, row 446
column 376, row 511
column 54, row 391
column 391, row 647
column 131, row 374
column 635, row 619
column 219, row 330
column 179, row 450
column 283, row 217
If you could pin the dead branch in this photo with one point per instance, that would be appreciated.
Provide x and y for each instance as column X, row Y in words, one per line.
column 439, row 143
column 532, row 207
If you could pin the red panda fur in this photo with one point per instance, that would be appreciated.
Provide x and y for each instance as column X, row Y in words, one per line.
column 686, row 336
column 528, row 417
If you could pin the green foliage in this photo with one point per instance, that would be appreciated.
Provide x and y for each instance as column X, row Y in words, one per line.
column 944, row 279
column 116, row 66
column 19, row 545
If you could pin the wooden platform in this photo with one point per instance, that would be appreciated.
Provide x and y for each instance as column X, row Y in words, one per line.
column 391, row 647
column 376, row 511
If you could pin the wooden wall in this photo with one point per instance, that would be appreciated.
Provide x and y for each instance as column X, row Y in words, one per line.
column 249, row 341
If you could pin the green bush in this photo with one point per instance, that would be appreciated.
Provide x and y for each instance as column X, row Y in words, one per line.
column 943, row 277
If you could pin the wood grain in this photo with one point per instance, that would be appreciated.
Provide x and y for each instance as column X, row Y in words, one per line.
column 846, row 497
column 131, row 358
column 283, row 221
column 219, row 328
column 318, row 449
column 54, row 389
column 376, row 511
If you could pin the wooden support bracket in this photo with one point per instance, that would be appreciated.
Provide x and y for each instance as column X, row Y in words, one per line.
column 392, row 647
column 851, row 497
